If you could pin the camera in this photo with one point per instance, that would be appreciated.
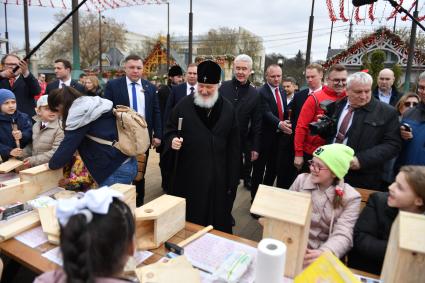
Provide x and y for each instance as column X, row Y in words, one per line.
column 324, row 126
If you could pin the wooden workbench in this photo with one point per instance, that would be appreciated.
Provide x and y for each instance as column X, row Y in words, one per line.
column 32, row 258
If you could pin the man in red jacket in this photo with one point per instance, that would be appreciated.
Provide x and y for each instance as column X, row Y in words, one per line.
column 306, row 144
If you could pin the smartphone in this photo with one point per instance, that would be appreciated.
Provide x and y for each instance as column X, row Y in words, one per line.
column 406, row 127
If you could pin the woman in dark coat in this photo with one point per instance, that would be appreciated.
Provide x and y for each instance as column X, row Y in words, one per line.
column 372, row 230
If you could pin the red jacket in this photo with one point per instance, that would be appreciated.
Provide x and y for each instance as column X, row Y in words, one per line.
column 304, row 142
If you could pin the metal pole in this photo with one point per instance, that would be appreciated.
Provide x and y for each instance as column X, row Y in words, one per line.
column 168, row 36
column 310, row 34
column 27, row 33
column 6, row 33
column 75, row 42
column 191, row 31
column 411, row 50
column 330, row 37
column 100, row 45
column 395, row 22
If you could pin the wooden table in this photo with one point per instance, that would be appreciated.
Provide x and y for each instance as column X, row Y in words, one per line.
column 32, row 258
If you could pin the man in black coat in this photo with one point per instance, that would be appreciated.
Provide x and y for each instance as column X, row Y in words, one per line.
column 63, row 70
column 385, row 90
column 22, row 83
column 247, row 104
column 175, row 77
column 275, row 131
column 182, row 90
column 372, row 130
column 206, row 151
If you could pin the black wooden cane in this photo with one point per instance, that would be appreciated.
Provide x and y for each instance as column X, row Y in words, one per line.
column 176, row 157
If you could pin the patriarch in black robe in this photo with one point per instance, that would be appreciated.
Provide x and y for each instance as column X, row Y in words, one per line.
column 204, row 160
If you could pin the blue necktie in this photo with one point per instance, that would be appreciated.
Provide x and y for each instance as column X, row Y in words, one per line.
column 133, row 91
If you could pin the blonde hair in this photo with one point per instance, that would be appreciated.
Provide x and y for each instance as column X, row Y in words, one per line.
column 403, row 99
column 94, row 80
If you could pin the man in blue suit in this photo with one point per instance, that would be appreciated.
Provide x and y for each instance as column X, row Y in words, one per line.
column 275, row 133
column 139, row 94
column 182, row 90
column 63, row 70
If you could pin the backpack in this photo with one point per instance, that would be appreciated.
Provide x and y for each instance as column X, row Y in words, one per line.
column 133, row 134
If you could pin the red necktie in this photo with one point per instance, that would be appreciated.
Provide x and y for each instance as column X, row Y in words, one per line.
column 279, row 104
column 11, row 82
column 344, row 125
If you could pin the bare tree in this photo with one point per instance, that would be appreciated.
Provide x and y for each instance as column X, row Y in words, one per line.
column 60, row 45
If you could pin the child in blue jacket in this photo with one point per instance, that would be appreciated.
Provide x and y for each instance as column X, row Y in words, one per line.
column 9, row 116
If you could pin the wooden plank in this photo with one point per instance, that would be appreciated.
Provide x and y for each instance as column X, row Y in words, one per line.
column 22, row 192
column 10, row 165
column 280, row 204
column 18, row 224
column 49, row 221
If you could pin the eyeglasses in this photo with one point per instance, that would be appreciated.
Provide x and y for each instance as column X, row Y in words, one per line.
column 339, row 81
column 410, row 104
column 315, row 166
column 421, row 87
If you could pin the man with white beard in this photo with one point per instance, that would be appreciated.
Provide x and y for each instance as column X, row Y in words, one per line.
column 204, row 156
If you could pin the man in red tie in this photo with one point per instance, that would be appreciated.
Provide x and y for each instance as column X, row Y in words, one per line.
column 275, row 126
column 22, row 83
column 305, row 143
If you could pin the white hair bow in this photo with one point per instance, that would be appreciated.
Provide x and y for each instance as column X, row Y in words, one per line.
column 96, row 201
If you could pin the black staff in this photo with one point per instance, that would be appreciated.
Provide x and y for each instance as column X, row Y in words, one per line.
column 176, row 157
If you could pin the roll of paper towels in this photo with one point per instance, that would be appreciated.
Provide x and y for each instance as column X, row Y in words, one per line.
column 271, row 255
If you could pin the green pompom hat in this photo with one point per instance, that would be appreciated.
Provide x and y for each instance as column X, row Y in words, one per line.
column 337, row 157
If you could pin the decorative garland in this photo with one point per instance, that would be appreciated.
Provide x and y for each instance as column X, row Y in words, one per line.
column 331, row 11
column 357, row 15
column 395, row 11
column 389, row 36
column 341, row 11
column 370, row 13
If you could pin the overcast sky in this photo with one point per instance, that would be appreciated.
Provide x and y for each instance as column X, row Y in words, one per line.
column 283, row 24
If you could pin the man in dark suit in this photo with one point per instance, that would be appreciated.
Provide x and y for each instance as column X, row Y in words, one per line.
column 247, row 104
column 182, row 90
column 368, row 126
column 63, row 70
column 22, row 83
column 275, row 132
column 313, row 76
column 385, row 90
column 139, row 94
column 175, row 77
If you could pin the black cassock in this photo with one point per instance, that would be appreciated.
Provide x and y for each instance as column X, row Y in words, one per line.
column 208, row 161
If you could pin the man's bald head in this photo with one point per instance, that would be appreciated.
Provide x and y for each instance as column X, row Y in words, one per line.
column 385, row 80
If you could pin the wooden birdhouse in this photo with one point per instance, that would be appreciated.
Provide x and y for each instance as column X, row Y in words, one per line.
column 286, row 217
column 159, row 220
column 41, row 177
column 405, row 256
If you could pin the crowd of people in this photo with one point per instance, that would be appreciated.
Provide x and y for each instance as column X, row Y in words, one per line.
column 328, row 139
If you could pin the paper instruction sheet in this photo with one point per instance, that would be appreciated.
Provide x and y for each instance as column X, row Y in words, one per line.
column 32, row 238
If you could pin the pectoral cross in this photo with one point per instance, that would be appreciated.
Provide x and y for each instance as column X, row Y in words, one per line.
column 205, row 79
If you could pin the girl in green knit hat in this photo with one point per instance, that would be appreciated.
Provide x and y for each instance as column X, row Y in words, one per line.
column 335, row 204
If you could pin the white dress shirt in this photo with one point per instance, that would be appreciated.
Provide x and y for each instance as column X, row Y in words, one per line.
column 67, row 82
column 310, row 91
column 140, row 93
column 385, row 97
column 188, row 86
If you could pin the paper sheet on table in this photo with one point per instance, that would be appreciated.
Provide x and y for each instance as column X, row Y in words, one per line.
column 54, row 255
column 364, row 279
column 141, row 256
column 32, row 238
column 209, row 251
